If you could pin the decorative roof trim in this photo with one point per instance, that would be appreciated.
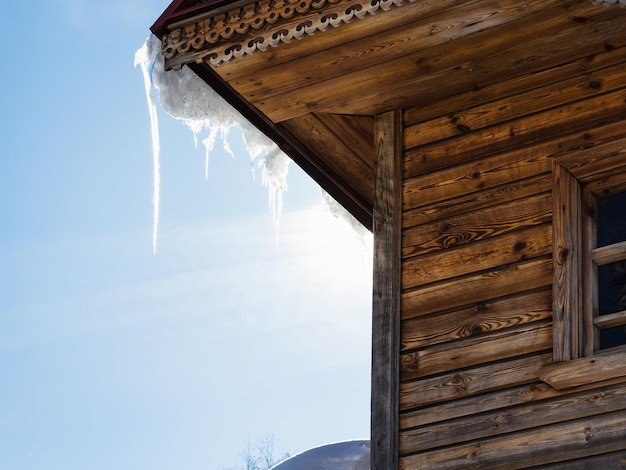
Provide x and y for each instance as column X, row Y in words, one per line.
column 219, row 37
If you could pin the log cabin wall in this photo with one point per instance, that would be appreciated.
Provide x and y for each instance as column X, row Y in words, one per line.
column 476, row 305
column 488, row 95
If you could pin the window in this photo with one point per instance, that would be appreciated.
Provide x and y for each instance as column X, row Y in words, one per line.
column 605, row 280
column 589, row 258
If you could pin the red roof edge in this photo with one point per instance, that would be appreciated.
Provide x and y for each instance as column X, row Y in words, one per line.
column 180, row 9
column 328, row 180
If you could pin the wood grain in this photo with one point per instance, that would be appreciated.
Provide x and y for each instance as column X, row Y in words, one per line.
column 482, row 317
column 467, row 290
column 386, row 296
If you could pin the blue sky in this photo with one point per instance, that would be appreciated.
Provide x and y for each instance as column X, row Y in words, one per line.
column 114, row 358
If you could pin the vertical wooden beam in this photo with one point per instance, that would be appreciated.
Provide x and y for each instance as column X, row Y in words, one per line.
column 567, row 262
column 386, row 302
column 590, row 335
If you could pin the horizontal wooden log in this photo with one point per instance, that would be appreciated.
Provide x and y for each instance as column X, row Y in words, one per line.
column 481, row 403
column 418, row 167
column 556, row 73
column 501, row 399
column 474, row 381
column 533, row 415
column 609, row 254
column 572, row 117
column 549, row 444
column 475, row 176
column 600, row 367
column 468, row 352
column 504, row 193
column 468, row 290
column 610, row 320
column 611, row 461
column 478, row 256
column 515, row 107
column 480, row 318
column 469, row 227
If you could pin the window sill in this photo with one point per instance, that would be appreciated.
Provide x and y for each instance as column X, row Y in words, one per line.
column 602, row 366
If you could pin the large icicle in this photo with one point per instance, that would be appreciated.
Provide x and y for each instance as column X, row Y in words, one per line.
column 187, row 97
column 145, row 58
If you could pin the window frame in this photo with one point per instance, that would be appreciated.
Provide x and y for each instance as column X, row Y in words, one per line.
column 576, row 358
column 593, row 257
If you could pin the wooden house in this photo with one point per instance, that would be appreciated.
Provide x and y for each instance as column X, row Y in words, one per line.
column 484, row 143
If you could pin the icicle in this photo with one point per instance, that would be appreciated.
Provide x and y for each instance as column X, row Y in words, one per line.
column 185, row 96
column 145, row 57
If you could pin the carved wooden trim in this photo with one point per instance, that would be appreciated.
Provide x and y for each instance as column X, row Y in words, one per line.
column 221, row 36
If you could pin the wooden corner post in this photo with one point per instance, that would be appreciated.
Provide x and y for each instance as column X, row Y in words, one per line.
column 386, row 302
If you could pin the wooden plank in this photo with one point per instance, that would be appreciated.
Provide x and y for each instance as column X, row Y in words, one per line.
column 469, row 227
column 477, row 256
column 383, row 46
column 497, row 195
column 593, row 162
column 356, row 132
column 498, row 53
column 475, row 176
column 417, row 164
column 510, row 108
column 554, row 443
column 609, row 254
column 612, row 461
column 589, row 279
column 366, row 27
column 474, row 65
column 470, row 382
column 481, row 403
column 339, row 156
column 480, row 318
column 468, row 352
column 519, row 84
column 567, row 261
column 572, row 117
column 467, row 290
column 603, row 366
column 502, row 399
column 386, row 300
column 611, row 183
column 499, row 422
column 610, row 320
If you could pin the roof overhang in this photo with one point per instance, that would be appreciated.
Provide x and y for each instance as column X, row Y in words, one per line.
column 313, row 74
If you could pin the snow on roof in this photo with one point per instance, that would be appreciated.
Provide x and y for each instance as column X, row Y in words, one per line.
column 188, row 98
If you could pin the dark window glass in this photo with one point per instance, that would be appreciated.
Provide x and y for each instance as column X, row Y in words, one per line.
column 611, row 337
column 612, row 287
column 611, row 219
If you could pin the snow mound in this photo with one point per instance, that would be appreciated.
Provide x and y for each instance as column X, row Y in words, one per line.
column 348, row 455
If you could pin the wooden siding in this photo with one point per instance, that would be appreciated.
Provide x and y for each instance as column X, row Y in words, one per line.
column 477, row 276
column 494, row 96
